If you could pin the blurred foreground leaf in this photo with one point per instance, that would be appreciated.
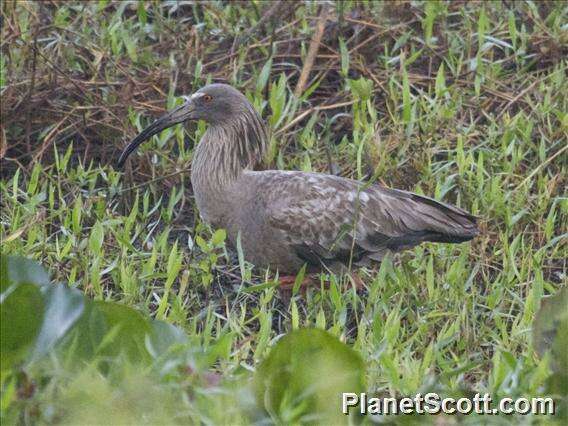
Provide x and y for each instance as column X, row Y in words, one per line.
column 21, row 312
column 18, row 270
column 63, row 307
column 550, row 333
column 125, row 330
column 550, row 330
column 305, row 375
column 37, row 316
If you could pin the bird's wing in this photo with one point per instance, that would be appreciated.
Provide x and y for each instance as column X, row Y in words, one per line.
column 326, row 217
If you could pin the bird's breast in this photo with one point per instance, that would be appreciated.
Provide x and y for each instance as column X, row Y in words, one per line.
column 211, row 209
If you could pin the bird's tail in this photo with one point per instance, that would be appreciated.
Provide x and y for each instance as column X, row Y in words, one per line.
column 444, row 223
column 426, row 219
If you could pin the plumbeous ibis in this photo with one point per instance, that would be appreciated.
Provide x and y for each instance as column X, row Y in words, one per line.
column 290, row 218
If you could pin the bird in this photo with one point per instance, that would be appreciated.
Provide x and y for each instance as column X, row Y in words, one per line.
column 289, row 220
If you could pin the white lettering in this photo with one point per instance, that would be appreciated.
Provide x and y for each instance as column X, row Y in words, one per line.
column 406, row 405
column 432, row 401
column 349, row 400
column 374, row 405
column 464, row 406
column 505, row 406
column 446, row 408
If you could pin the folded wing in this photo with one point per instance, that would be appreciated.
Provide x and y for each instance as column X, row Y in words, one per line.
column 330, row 219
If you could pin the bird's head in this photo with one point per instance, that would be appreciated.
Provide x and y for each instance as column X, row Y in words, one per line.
column 216, row 104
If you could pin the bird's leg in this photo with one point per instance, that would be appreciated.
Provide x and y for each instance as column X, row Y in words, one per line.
column 287, row 282
column 356, row 280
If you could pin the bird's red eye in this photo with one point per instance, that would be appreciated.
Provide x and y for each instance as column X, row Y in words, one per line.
column 207, row 98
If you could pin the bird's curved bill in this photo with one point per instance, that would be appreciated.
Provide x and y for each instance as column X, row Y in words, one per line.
column 177, row 115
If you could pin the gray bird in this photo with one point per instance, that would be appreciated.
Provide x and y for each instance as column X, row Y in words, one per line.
column 290, row 218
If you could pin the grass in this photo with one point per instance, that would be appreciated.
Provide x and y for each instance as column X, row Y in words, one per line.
column 463, row 102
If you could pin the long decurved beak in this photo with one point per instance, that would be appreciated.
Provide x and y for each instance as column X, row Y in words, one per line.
column 177, row 115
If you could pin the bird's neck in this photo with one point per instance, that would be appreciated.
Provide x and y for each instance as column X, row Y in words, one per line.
column 226, row 150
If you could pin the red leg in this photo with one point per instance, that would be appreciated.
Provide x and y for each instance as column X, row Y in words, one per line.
column 356, row 279
column 287, row 282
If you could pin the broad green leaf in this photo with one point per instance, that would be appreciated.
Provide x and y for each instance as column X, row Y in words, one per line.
column 18, row 270
column 305, row 374
column 107, row 330
column 21, row 307
column 63, row 307
column 127, row 329
column 550, row 333
column 44, row 317
column 21, row 316
column 162, row 337
column 550, row 330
